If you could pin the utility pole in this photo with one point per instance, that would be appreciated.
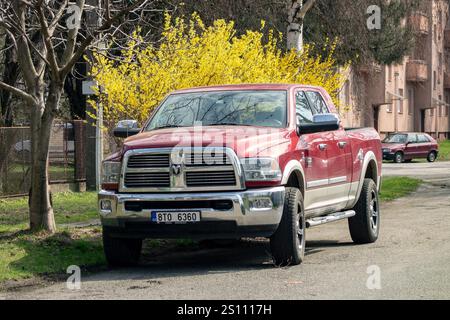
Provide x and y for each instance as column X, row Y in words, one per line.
column 93, row 129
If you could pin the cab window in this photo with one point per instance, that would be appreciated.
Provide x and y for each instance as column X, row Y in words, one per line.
column 318, row 105
column 303, row 108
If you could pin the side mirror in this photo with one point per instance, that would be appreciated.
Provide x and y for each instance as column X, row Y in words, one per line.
column 321, row 123
column 126, row 128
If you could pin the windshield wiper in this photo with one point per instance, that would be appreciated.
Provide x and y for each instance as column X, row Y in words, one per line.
column 228, row 124
column 168, row 126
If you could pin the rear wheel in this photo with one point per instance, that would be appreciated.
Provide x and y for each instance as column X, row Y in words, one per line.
column 365, row 225
column 398, row 157
column 121, row 252
column 431, row 156
column 288, row 242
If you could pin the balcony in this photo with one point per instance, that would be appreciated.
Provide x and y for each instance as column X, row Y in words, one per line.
column 446, row 80
column 416, row 71
column 419, row 23
column 447, row 38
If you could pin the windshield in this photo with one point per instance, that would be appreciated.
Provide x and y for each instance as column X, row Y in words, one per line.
column 396, row 138
column 240, row 108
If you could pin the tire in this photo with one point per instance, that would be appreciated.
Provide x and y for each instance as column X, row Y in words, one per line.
column 121, row 252
column 431, row 156
column 288, row 242
column 398, row 157
column 365, row 225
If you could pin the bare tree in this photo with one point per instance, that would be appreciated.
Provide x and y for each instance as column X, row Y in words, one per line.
column 297, row 10
column 45, row 63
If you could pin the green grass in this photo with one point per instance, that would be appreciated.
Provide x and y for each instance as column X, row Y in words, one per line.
column 397, row 187
column 28, row 255
column 68, row 207
column 444, row 150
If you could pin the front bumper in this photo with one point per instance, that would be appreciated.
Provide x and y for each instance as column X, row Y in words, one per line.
column 388, row 155
column 241, row 220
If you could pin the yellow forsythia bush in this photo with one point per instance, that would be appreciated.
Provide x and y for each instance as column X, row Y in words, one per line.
column 191, row 54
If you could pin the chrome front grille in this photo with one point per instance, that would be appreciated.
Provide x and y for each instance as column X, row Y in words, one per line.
column 210, row 178
column 149, row 161
column 181, row 169
column 147, row 180
column 199, row 159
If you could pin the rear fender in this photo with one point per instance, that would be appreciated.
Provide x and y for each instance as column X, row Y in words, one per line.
column 369, row 156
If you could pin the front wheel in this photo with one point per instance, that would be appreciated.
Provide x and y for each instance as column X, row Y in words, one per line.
column 365, row 225
column 431, row 156
column 398, row 157
column 121, row 252
column 288, row 242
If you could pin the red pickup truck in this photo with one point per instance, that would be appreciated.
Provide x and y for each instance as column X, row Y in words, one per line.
column 228, row 162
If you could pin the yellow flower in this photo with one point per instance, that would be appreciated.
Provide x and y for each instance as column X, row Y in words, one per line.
column 191, row 54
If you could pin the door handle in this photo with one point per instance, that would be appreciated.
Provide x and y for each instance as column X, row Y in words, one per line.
column 323, row 146
column 342, row 144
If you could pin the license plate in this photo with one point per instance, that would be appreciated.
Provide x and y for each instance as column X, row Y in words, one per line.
column 179, row 217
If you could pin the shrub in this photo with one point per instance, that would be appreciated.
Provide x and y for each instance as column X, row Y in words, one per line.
column 191, row 54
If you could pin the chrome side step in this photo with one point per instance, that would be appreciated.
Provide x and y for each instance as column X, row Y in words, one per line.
column 330, row 218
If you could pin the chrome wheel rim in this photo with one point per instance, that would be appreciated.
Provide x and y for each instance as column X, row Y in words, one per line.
column 432, row 157
column 398, row 158
column 374, row 210
column 300, row 229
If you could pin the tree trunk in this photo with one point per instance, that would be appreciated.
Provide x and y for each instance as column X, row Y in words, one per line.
column 295, row 27
column 41, row 210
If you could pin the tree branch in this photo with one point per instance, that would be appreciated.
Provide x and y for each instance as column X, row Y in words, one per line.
column 18, row 92
column 48, row 41
column 305, row 8
column 88, row 40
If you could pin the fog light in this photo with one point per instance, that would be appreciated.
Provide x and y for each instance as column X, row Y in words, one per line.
column 106, row 206
column 261, row 204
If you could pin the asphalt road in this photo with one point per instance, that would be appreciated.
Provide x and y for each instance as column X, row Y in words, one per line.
column 437, row 171
column 411, row 258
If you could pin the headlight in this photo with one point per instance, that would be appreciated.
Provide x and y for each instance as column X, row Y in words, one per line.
column 261, row 169
column 110, row 172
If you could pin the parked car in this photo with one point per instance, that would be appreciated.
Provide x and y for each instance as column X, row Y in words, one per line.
column 268, row 161
column 406, row 146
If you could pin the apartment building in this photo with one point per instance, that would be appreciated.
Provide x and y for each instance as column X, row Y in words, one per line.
column 410, row 96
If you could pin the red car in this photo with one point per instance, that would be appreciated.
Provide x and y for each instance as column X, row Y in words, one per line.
column 404, row 147
column 236, row 161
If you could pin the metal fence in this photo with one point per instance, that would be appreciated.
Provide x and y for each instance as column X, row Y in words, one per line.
column 66, row 157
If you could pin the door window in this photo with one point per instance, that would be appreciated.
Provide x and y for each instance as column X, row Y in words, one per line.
column 423, row 139
column 303, row 109
column 412, row 138
column 318, row 105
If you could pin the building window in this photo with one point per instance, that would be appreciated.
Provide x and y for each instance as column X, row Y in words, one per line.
column 435, row 33
column 400, row 101
column 434, row 80
column 410, row 101
column 390, row 73
column 432, row 112
column 440, row 106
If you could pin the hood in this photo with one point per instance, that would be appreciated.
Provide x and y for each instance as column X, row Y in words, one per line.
column 245, row 141
column 393, row 146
